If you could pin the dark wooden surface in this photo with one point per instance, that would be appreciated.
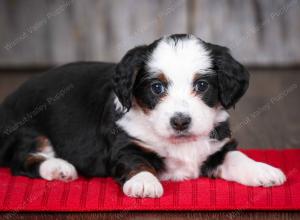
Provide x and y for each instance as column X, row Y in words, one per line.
column 267, row 117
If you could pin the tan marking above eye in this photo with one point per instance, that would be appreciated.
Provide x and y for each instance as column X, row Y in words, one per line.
column 162, row 77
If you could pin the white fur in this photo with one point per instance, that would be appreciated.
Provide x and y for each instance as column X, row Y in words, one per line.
column 183, row 162
column 221, row 116
column 143, row 184
column 240, row 168
column 181, row 60
column 57, row 169
column 179, row 63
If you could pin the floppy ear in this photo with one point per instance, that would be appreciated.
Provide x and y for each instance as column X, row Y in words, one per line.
column 125, row 74
column 233, row 78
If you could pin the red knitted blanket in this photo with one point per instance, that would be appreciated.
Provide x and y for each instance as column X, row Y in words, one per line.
column 103, row 194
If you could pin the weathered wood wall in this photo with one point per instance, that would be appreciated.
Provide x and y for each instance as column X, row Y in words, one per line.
column 44, row 32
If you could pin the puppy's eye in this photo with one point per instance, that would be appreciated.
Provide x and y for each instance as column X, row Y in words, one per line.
column 201, row 86
column 157, row 88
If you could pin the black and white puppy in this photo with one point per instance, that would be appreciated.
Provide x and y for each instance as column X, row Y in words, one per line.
column 159, row 114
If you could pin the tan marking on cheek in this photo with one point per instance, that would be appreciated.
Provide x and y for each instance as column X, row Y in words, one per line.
column 139, row 104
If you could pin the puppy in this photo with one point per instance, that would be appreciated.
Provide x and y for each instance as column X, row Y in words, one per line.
column 159, row 114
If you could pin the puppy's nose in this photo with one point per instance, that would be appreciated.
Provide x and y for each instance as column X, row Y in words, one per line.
column 180, row 121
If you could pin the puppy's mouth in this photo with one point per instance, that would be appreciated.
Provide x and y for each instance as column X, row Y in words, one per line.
column 182, row 138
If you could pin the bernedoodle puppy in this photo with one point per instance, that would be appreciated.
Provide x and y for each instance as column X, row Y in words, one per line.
column 158, row 114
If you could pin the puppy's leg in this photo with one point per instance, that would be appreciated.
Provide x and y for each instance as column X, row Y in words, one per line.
column 52, row 168
column 34, row 157
column 57, row 169
column 240, row 168
column 136, row 171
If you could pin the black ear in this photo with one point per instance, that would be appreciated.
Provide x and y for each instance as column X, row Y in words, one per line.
column 233, row 78
column 125, row 74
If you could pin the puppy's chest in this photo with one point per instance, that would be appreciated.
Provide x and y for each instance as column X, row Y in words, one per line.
column 184, row 162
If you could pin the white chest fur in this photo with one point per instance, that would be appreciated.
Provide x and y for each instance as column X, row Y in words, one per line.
column 182, row 161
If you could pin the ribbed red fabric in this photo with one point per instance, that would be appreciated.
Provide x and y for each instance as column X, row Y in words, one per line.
column 103, row 194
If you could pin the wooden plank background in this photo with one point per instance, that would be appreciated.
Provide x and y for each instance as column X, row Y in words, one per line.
column 44, row 32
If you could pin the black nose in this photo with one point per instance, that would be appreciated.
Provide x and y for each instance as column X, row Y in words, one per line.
column 180, row 122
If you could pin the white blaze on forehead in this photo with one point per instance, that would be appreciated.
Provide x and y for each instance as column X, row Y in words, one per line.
column 180, row 60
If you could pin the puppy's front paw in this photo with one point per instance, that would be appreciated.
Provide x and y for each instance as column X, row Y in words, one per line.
column 143, row 184
column 57, row 169
column 265, row 175
column 252, row 173
column 240, row 168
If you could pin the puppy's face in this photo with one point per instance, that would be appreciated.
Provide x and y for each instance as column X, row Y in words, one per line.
column 178, row 86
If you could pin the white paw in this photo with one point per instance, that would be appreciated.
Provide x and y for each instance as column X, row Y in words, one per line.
column 242, row 169
column 143, row 184
column 262, row 174
column 57, row 169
